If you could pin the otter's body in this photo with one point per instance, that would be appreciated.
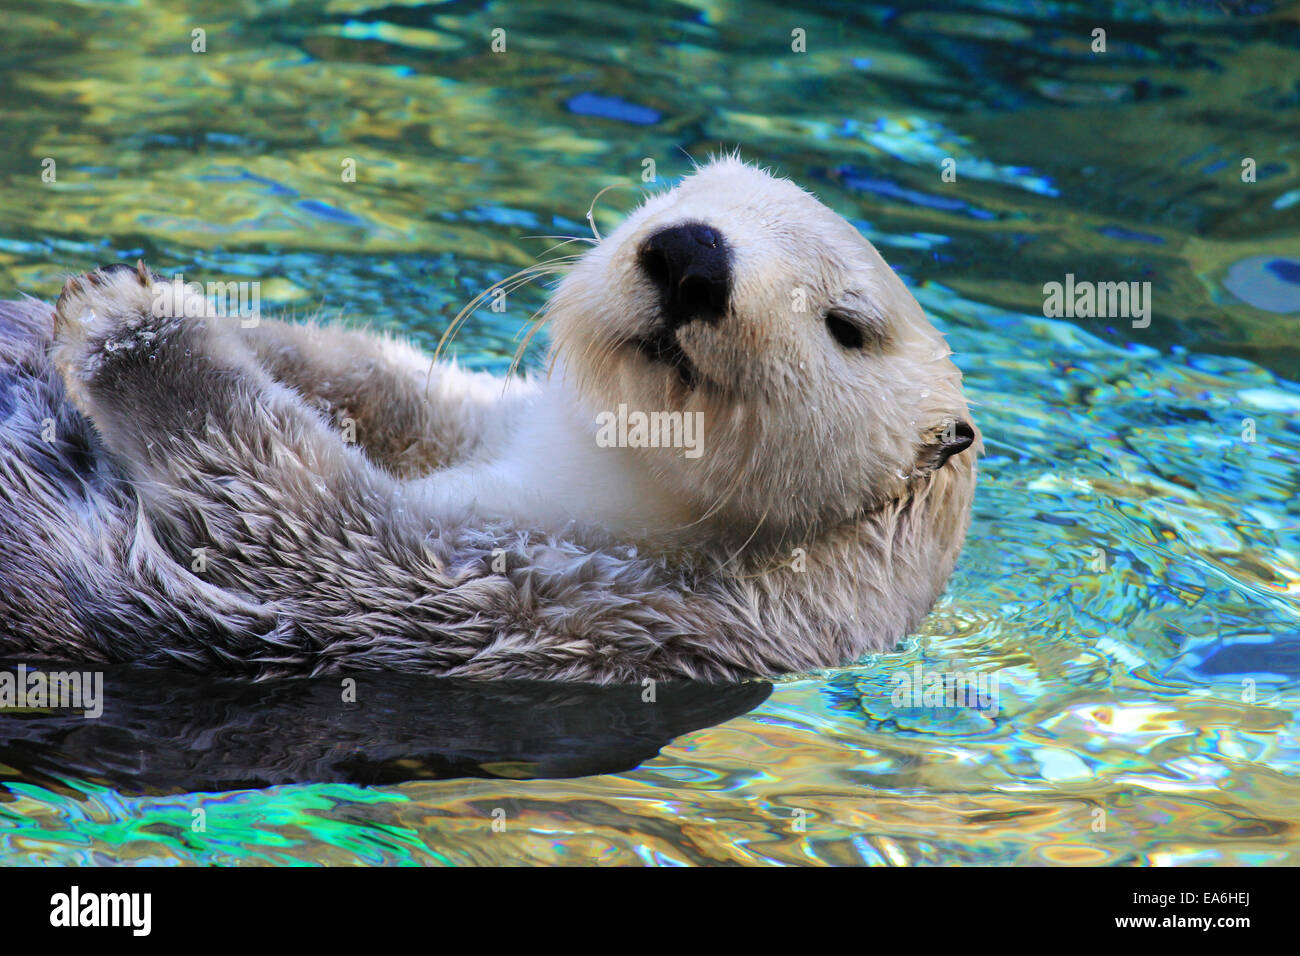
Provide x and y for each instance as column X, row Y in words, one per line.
column 291, row 499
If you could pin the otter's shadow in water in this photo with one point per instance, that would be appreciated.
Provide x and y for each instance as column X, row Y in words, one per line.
column 167, row 732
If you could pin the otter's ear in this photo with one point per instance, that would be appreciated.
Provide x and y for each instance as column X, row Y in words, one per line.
column 951, row 438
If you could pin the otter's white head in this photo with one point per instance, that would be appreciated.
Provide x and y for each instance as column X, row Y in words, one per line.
column 824, row 390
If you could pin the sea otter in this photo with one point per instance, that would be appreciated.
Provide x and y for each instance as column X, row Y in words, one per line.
column 300, row 499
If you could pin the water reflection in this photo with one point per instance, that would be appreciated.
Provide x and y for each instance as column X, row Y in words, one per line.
column 164, row 732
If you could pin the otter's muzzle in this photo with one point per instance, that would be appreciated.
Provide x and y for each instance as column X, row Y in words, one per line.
column 690, row 265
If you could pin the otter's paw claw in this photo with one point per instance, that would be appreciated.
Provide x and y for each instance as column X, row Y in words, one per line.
column 102, row 311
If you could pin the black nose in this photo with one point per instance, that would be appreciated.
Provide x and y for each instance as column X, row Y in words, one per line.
column 690, row 264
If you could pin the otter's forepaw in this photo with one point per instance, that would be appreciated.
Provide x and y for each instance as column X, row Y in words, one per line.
column 108, row 311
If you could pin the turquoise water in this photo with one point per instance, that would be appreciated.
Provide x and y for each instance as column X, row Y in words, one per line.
column 1133, row 573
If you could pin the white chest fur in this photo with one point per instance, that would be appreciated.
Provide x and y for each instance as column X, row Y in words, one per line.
column 540, row 466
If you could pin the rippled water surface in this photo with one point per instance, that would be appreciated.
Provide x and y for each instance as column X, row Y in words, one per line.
column 1133, row 574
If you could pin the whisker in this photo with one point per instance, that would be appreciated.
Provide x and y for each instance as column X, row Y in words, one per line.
column 568, row 238
column 536, row 327
column 739, row 551
column 565, row 242
column 591, row 210
column 510, row 284
column 528, row 274
column 522, row 277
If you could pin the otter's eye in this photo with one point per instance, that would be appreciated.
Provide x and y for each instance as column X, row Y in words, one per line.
column 844, row 330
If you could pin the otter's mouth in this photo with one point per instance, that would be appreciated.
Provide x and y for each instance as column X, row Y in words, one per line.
column 689, row 266
column 663, row 348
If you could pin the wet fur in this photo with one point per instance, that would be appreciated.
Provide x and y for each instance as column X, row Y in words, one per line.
column 175, row 434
